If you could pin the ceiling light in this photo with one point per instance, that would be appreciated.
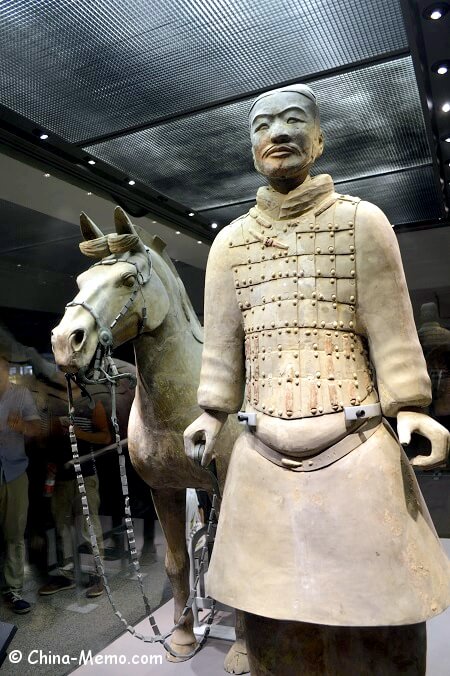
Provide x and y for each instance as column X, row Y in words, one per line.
column 178, row 232
column 447, row 140
column 199, row 241
column 47, row 175
column 446, row 107
column 153, row 221
column 436, row 11
column 214, row 226
column 91, row 161
column 43, row 137
column 131, row 182
column 191, row 213
column 441, row 67
column 88, row 193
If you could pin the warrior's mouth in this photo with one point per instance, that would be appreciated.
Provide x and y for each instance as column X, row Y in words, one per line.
column 280, row 151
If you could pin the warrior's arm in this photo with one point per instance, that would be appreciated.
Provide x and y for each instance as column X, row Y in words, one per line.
column 223, row 369
column 385, row 315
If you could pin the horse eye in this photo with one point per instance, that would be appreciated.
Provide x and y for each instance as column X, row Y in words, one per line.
column 129, row 280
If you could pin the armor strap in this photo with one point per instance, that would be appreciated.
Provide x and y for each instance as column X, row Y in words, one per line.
column 327, row 457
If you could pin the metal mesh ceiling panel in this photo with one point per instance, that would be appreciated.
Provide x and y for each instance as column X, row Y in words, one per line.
column 84, row 69
column 372, row 120
column 405, row 197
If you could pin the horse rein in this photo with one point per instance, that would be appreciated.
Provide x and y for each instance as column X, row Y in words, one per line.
column 105, row 371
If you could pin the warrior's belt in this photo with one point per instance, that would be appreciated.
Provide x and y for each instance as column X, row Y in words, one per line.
column 349, row 443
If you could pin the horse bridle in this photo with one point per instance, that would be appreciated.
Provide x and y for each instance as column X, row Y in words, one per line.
column 105, row 336
column 104, row 364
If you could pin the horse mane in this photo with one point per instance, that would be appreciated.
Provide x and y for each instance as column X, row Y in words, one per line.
column 158, row 245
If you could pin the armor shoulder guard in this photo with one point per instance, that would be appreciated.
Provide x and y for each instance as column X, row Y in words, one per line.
column 349, row 198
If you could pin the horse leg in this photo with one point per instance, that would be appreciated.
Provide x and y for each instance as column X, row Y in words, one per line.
column 236, row 660
column 170, row 505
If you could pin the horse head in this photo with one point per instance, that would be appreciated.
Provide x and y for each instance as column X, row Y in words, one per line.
column 120, row 296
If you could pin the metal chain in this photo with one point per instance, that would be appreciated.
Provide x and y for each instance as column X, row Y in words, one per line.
column 104, row 364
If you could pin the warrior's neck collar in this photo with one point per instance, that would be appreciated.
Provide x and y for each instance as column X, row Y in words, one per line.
column 305, row 197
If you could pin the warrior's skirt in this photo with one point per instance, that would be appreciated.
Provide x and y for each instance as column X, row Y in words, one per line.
column 351, row 544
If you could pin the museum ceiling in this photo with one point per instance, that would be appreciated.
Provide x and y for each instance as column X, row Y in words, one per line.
column 157, row 93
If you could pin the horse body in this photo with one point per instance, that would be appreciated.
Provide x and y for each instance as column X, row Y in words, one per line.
column 168, row 345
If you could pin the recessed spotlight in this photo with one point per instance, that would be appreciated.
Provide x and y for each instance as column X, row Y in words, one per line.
column 153, row 221
column 89, row 193
column 131, row 182
column 445, row 107
column 91, row 161
column 214, row 226
column 47, row 175
column 447, row 140
column 178, row 232
column 191, row 213
column 199, row 241
column 441, row 67
column 436, row 11
column 43, row 137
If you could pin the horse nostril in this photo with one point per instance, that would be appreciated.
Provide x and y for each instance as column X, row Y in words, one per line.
column 77, row 339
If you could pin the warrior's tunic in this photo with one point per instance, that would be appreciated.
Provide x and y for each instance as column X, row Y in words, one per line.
column 306, row 300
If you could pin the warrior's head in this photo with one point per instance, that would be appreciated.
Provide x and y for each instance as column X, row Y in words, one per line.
column 286, row 135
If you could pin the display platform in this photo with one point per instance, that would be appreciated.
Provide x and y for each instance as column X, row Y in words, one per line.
column 209, row 661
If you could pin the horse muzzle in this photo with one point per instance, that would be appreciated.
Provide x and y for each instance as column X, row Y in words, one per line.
column 73, row 345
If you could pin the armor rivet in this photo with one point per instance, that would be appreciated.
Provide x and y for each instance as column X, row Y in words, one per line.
column 302, row 273
column 320, row 296
column 280, row 274
column 302, row 295
column 331, row 376
column 279, row 382
column 316, row 355
column 244, row 281
column 237, row 284
column 286, row 260
column 330, row 225
column 318, row 250
column 340, row 384
column 320, row 411
column 241, row 305
column 273, row 275
column 350, row 232
column 333, row 297
column 331, row 234
column 270, row 410
column 272, row 325
column 356, row 384
column 231, row 244
column 314, row 294
column 247, row 240
column 352, row 248
column 263, row 405
column 279, row 356
column 280, row 413
column 350, row 223
column 263, row 258
column 336, row 226
column 311, row 226
column 295, row 294
column 352, row 272
column 279, row 296
column 273, row 298
column 251, row 289
column 294, row 303
column 341, row 324
column 285, row 229
column 286, row 323
column 318, row 374
column 299, row 236
column 352, row 299
column 307, row 333
column 280, row 332
column 351, row 325
column 279, row 346
column 335, row 305
column 331, row 249
column 263, row 276
column 315, row 346
column 274, row 256
column 315, row 330
column 335, row 325
column 319, row 272
column 332, row 258
column 263, row 357
column 295, row 330
column 352, row 258
column 263, row 374
column 311, row 236
column 352, row 335
column 314, row 411
column 310, row 462
column 297, row 374
column 248, row 248
column 313, row 302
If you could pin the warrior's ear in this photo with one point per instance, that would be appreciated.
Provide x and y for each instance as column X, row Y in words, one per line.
column 88, row 228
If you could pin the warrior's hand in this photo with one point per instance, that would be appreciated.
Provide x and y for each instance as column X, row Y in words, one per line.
column 206, row 428
column 409, row 422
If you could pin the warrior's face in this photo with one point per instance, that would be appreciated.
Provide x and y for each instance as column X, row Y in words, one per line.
column 286, row 136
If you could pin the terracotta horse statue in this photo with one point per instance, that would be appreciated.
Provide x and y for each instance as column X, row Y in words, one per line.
column 168, row 344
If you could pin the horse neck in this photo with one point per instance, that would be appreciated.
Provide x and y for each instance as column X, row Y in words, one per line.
column 168, row 363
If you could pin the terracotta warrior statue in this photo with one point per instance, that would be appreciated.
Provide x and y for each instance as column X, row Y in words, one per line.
column 323, row 539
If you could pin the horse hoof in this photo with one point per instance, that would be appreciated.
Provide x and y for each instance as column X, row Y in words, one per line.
column 236, row 661
column 183, row 651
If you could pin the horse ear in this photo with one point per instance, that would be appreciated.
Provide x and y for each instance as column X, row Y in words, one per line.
column 88, row 228
column 123, row 224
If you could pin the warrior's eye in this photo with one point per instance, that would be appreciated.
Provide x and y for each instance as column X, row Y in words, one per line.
column 129, row 280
